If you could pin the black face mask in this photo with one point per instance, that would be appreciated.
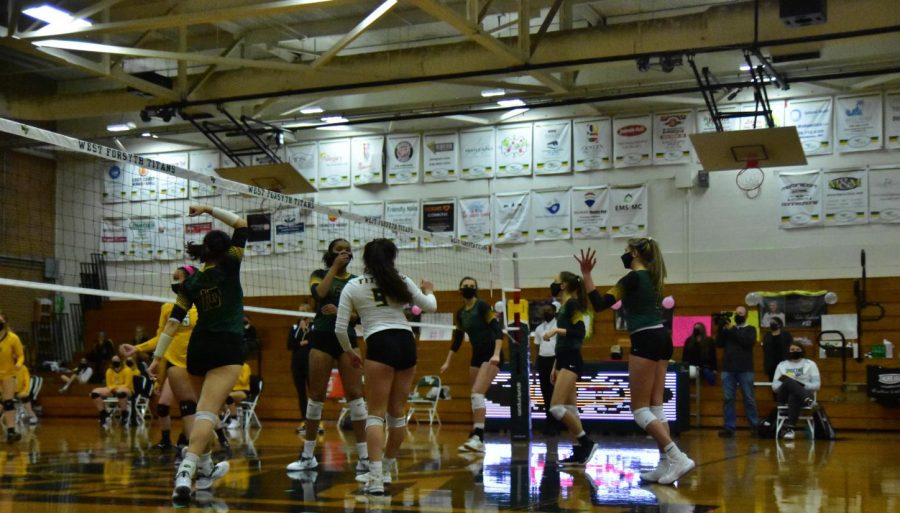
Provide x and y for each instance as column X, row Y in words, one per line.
column 739, row 319
column 129, row 363
column 555, row 289
column 176, row 287
column 774, row 326
column 698, row 332
column 795, row 355
column 468, row 292
column 82, row 365
column 548, row 317
column 116, row 365
column 627, row 258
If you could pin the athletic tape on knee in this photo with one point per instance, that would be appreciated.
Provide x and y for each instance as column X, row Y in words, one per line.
column 571, row 408
column 208, row 416
column 163, row 410
column 395, row 422
column 660, row 413
column 94, row 395
column 122, row 395
column 558, row 411
column 314, row 410
column 478, row 402
column 229, row 401
column 358, row 410
column 187, row 408
column 372, row 420
column 643, row 417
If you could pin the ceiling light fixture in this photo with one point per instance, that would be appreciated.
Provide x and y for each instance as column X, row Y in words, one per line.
column 55, row 16
column 311, row 110
column 334, row 119
column 336, row 128
column 121, row 127
column 490, row 93
column 511, row 102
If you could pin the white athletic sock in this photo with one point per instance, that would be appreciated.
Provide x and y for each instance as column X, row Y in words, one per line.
column 362, row 449
column 189, row 464
column 375, row 468
column 309, row 448
column 672, row 451
column 478, row 425
column 206, row 465
column 581, row 434
column 389, row 463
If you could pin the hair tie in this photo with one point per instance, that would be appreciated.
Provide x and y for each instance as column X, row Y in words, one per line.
column 189, row 269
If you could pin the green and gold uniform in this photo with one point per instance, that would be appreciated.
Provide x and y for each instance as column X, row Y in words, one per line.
column 570, row 317
column 322, row 336
column 480, row 323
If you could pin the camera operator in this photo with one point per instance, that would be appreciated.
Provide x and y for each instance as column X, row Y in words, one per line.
column 737, row 339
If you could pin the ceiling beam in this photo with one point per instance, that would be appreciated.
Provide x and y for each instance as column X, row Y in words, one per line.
column 91, row 10
column 357, row 31
column 211, row 69
column 545, row 25
column 524, row 29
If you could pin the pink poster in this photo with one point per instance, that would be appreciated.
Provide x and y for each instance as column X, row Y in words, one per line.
column 683, row 326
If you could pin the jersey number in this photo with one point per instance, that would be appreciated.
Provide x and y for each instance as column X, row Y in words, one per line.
column 380, row 300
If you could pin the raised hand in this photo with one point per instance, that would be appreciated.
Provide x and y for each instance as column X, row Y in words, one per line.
column 586, row 261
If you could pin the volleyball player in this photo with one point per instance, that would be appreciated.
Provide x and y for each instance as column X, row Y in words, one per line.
column 379, row 297
column 216, row 347
column 326, row 351
column 120, row 383
column 477, row 320
column 24, row 393
column 12, row 356
column 640, row 291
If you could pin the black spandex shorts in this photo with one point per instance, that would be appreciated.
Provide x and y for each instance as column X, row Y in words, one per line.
column 327, row 341
column 570, row 359
column 483, row 353
column 209, row 350
column 394, row 348
column 653, row 344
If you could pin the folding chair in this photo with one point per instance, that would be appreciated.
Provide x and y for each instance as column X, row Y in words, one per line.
column 424, row 399
column 248, row 405
column 806, row 415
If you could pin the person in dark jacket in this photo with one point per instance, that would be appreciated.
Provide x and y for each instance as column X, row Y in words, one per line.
column 737, row 338
column 700, row 351
column 775, row 346
column 298, row 345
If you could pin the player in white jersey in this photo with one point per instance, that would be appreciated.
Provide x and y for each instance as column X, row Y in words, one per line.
column 378, row 297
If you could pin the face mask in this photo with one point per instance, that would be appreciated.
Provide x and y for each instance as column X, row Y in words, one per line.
column 176, row 287
column 548, row 317
column 774, row 326
column 555, row 289
column 468, row 292
column 739, row 319
column 82, row 365
column 698, row 331
column 795, row 355
column 2, row 326
column 627, row 258
column 116, row 365
column 129, row 363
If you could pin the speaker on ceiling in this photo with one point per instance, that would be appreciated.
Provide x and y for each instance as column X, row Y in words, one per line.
column 801, row 13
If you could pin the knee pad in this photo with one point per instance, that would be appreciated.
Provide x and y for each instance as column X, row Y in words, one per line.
column 358, row 410
column 395, row 422
column 208, row 416
column 122, row 395
column 163, row 410
column 372, row 420
column 95, row 395
column 571, row 408
column 229, row 401
column 660, row 413
column 9, row 405
column 478, row 402
column 558, row 411
column 187, row 408
column 643, row 417
column 314, row 410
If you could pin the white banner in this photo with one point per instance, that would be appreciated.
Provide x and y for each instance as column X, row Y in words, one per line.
column 628, row 208
column 590, row 212
column 305, row 159
column 116, row 182
column 361, row 233
column 331, row 226
column 552, row 147
column 141, row 238
column 403, row 213
column 884, row 195
column 705, row 123
column 813, row 121
column 477, row 153
column 144, row 184
column 632, row 141
column 172, row 187
column 289, row 230
column 204, row 162
column 858, row 122
column 440, row 160
column 259, row 239
column 513, row 143
column 367, row 160
column 114, row 239
column 403, row 159
column 474, row 219
column 759, row 121
column 592, row 144
column 334, row 164
column 846, row 200
column 892, row 120
column 801, row 199
column 169, row 238
column 438, row 216
column 671, row 144
column 550, row 214
column 511, row 215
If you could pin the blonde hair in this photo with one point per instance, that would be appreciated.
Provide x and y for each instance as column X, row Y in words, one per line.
column 652, row 257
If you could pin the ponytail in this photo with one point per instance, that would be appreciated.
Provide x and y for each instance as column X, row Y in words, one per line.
column 575, row 286
column 652, row 257
column 378, row 257
column 214, row 247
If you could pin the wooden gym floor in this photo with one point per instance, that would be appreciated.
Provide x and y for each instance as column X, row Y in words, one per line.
column 67, row 465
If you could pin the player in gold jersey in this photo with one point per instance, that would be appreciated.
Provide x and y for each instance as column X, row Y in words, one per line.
column 12, row 357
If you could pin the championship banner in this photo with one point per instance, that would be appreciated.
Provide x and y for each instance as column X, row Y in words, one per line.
column 858, row 122
column 801, row 199
column 671, row 144
column 141, row 238
column 474, row 220
column 590, row 212
column 373, row 210
column 628, row 208
column 550, row 217
column 477, row 153
column 892, row 120
column 367, row 160
column 114, row 239
column 884, row 195
column 289, row 230
column 846, row 200
column 632, row 141
column 331, row 226
column 334, row 164
column 438, row 216
column 259, row 238
column 172, row 187
column 511, row 215
column 205, row 162
column 440, row 160
column 404, row 214
column 552, row 147
column 813, row 121
column 513, row 150
column 117, row 183
column 592, row 144
column 795, row 308
column 403, row 159
column 144, row 184
column 169, row 238
column 305, row 159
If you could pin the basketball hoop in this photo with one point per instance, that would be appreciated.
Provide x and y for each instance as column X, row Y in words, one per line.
column 750, row 179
